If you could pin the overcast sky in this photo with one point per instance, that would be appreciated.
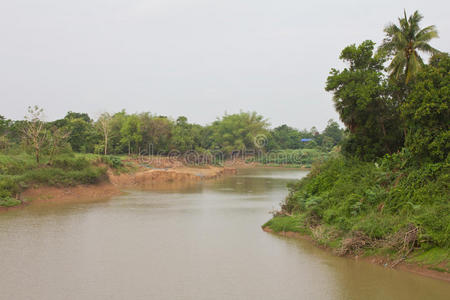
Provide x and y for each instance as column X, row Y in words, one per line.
column 196, row 58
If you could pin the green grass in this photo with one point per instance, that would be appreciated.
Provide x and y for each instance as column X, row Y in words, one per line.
column 287, row 223
column 18, row 172
column 432, row 256
column 9, row 202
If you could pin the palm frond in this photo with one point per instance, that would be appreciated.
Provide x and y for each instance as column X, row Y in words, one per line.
column 402, row 41
column 425, row 47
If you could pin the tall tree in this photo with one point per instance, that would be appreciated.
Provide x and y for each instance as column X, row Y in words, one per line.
column 403, row 43
column 363, row 103
column 285, row 137
column 183, row 138
column 427, row 112
column 104, row 122
column 130, row 132
column 332, row 133
column 83, row 135
column 57, row 139
column 34, row 130
column 240, row 132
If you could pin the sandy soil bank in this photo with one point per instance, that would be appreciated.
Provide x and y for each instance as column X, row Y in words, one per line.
column 413, row 268
column 80, row 193
column 146, row 178
column 143, row 178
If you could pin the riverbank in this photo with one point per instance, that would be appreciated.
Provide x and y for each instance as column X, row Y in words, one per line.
column 115, row 182
column 389, row 212
column 20, row 174
column 380, row 260
column 144, row 178
column 64, row 181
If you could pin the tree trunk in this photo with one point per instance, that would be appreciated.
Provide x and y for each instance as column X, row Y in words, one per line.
column 37, row 155
column 106, row 145
column 383, row 129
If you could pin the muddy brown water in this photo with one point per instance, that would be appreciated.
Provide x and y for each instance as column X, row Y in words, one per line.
column 200, row 241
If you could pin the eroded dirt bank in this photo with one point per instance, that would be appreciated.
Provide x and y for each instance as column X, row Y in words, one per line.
column 81, row 193
column 179, row 174
column 413, row 268
column 113, row 185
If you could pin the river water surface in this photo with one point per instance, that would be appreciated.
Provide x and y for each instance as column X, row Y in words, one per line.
column 201, row 241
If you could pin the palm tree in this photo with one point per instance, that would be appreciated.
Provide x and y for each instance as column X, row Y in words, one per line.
column 403, row 42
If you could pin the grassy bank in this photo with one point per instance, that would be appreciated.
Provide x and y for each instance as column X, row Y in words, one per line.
column 389, row 209
column 19, row 172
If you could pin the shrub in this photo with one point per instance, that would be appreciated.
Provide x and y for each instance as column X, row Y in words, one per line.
column 376, row 199
column 9, row 202
column 112, row 161
column 71, row 163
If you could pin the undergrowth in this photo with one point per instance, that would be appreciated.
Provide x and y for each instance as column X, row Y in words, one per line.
column 18, row 172
column 355, row 207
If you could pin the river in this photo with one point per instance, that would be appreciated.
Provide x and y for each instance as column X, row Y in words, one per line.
column 198, row 241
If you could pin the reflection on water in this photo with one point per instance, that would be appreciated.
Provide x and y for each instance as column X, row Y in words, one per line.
column 190, row 241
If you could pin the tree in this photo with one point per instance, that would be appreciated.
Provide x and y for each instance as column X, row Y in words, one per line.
column 34, row 130
column 104, row 122
column 115, row 144
column 83, row 135
column 285, row 137
column 240, row 132
column 157, row 132
column 362, row 99
column 4, row 125
column 183, row 138
column 332, row 135
column 57, row 138
column 427, row 111
column 130, row 132
column 403, row 43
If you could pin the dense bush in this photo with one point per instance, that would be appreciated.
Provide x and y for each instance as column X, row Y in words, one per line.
column 377, row 199
column 112, row 161
column 16, row 164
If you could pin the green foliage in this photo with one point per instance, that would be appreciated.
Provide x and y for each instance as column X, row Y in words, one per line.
column 16, row 164
column 287, row 223
column 376, row 199
column 144, row 133
column 285, row 137
column 156, row 133
column 185, row 136
column 237, row 132
column 431, row 257
column 83, row 134
column 130, row 132
column 404, row 42
column 427, row 112
column 303, row 157
column 64, row 177
column 67, row 162
column 112, row 161
column 18, row 172
column 9, row 202
column 361, row 97
column 332, row 135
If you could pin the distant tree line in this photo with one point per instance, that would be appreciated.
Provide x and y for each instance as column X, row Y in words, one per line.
column 145, row 133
